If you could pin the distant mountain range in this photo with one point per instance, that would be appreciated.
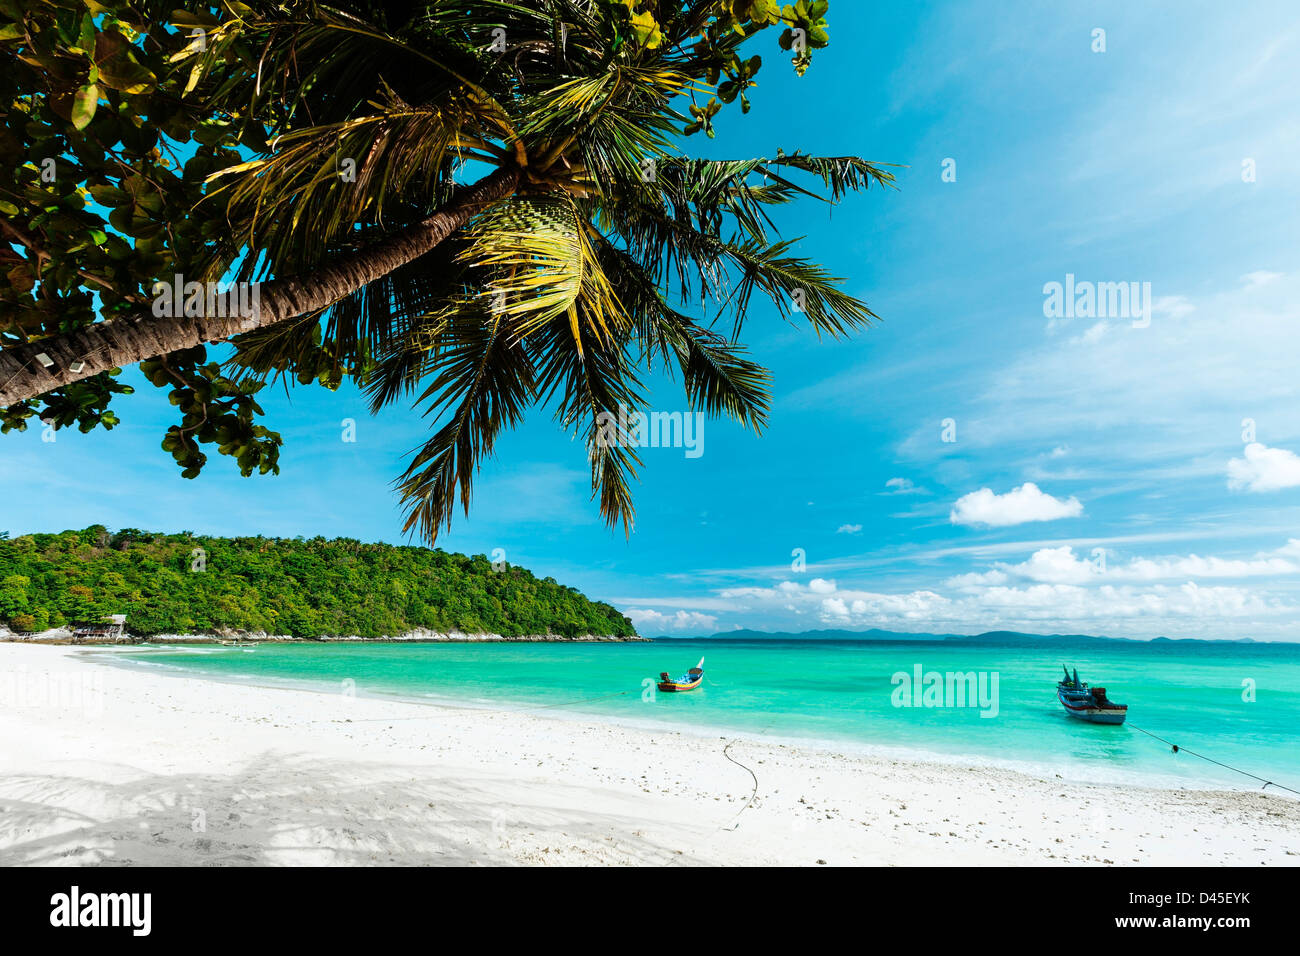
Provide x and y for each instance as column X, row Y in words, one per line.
column 988, row 637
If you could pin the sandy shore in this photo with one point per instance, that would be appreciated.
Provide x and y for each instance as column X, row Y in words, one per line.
column 101, row 765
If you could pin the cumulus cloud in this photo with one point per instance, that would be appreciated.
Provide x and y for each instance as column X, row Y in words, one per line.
column 1125, row 609
column 1056, row 588
column 849, row 529
column 1291, row 549
column 835, row 608
column 1049, row 565
column 1065, row 602
column 976, row 579
column 1017, row 506
column 1195, row 566
column 650, row 620
column 1264, row 469
column 1062, row 566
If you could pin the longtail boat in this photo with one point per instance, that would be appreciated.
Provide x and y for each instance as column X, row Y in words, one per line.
column 1088, row 703
column 688, row 681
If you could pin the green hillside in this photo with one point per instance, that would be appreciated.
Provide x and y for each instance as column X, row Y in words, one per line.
column 185, row 583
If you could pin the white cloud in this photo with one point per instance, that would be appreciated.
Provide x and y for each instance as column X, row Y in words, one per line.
column 1261, row 277
column 1026, row 503
column 902, row 486
column 835, row 608
column 649, row 620
column 1264, row 469
column 1123, row 610
column 1291, row 549
column 1053, row 566
column 1093, row 335
column 1064, row 602
column 1169, row 383
column 1194, row 566
column 1060, row 565
column 821, row 586
column 1172, row 306
column 976, row 580
column 849, row 529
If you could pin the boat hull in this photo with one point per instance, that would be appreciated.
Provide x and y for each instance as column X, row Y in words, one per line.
column 692, row 679
column 674, row 687
column 1099, row 716
column 1090, row 713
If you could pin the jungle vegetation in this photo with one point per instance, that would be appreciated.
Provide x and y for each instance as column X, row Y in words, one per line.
column 303, row 587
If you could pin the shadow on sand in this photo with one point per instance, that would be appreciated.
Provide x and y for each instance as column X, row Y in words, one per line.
column 289, row 810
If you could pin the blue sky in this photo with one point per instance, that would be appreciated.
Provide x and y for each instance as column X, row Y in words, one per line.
column 1102, row 432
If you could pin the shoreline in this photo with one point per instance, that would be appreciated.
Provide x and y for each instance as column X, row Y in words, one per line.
column 128, row 767
column 844, row 746
column 63, row 637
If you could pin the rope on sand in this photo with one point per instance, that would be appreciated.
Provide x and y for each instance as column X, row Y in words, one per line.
column 1177, row 749
column 754, row 793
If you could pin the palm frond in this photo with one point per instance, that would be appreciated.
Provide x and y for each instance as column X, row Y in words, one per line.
column 559, row 295
column 321, row 182
column 796, row 286
column 591, row 381
column 533, row 260
column 484, row 382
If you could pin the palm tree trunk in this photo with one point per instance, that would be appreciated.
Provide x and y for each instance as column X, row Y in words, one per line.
column 34, row 368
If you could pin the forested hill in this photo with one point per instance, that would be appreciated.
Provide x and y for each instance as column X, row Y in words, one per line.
column 185, row 583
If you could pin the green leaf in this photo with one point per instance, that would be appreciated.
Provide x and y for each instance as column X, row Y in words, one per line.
column 84, row 104
column 21, row 279
column 85, row 37
column 125, row 75
column 109, row 196
column 187, row 18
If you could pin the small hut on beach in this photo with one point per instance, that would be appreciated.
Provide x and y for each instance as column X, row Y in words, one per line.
column 112, row 629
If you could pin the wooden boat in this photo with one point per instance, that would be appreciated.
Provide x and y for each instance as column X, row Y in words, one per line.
column 237, row 643
column 689, row 681
column 1088, row 703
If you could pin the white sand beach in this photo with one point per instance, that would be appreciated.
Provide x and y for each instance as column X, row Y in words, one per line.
column 109, row 766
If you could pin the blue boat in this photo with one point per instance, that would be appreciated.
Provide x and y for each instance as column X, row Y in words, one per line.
column 688, row 681
column 1088, row 703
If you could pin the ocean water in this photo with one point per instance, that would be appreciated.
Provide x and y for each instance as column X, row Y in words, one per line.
column 845, row 694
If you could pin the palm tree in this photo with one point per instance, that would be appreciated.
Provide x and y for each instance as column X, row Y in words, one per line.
column 547, row 282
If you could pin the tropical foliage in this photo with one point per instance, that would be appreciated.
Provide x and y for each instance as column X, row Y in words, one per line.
column 325, row 149
column 185, row 583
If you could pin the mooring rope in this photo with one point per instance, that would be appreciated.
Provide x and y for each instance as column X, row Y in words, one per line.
column 735, row 823
column 1178, row 749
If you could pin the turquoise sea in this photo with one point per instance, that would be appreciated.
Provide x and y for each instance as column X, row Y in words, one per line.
column 843, row 694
